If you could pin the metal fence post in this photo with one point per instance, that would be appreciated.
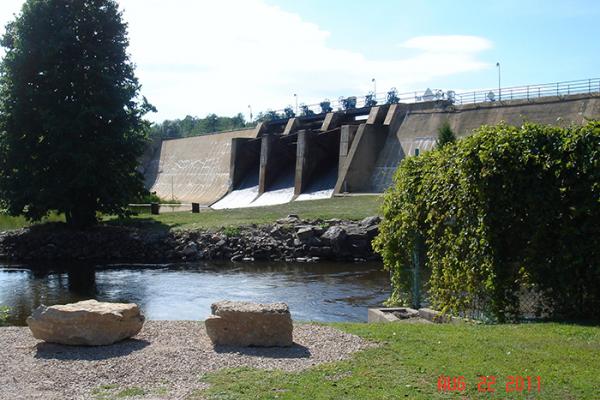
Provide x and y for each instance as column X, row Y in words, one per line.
column 416, row 285
column 416, row 258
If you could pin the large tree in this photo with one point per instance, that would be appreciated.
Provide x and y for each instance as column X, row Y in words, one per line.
column 71, row 126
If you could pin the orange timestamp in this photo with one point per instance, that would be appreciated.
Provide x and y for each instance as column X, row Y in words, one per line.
column 489, row 384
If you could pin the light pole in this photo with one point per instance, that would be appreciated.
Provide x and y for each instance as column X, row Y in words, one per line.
column 374, row 86
column 250, row 111
column 296, row 99
column 499, row 86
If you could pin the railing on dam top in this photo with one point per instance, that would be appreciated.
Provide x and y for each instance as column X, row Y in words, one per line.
column 530, row 91
column 480, row 96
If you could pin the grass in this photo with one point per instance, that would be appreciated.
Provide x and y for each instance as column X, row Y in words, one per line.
column 413, row 356
column 8, row 222
column 352, row 207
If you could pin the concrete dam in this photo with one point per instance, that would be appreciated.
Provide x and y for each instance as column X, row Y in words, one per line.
column 323, row 155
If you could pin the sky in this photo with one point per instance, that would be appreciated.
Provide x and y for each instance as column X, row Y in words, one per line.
column 196, row 57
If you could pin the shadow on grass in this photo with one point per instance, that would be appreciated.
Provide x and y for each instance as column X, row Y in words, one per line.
column 142, row 223
column 294, row 351
column 51, row 351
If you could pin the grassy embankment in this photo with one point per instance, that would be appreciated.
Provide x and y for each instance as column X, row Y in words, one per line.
column 354, row 207
column 413, row 356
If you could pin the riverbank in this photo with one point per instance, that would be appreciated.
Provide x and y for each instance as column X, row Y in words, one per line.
column 173, row 360
column 287, row 239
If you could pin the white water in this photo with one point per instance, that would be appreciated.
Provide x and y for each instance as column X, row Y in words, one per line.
column 281, row 192
column 321, row 187
column 241, row 197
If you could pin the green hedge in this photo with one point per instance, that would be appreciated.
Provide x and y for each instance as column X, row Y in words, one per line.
column 504, row 210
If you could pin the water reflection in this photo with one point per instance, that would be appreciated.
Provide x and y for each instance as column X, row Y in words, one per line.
column 319, row 292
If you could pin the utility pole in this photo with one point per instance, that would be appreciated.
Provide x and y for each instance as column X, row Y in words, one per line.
column 374, row 87
column 296, row 99
column 250, row 110
column 499, row 85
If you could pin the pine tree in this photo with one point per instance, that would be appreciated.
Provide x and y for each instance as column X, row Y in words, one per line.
column 445, row 135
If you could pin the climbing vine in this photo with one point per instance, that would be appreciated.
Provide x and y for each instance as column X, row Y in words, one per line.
column 506, row 210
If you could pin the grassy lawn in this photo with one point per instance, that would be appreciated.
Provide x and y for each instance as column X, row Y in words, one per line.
column 353, row 207
column 7, row 222
column 413, row 356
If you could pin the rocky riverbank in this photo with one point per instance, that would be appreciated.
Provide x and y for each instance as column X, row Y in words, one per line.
column 288, row 239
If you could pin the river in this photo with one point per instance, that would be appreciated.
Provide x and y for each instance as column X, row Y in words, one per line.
column 324, row 292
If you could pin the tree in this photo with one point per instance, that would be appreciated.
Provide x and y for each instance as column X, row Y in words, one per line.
column 71, row 127
column 445, row 135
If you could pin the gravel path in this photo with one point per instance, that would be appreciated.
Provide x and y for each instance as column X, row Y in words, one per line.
column 166, row 360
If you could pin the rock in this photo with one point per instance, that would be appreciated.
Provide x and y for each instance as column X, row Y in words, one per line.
column 335, row 236
column 86, row 323
column 236, row 323
column 372, row 231
column 290, row 219
column 190, row 249
column 305, row 233
column 370, row 221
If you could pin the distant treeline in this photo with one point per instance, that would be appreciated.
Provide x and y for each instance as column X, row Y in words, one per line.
column 194, row 126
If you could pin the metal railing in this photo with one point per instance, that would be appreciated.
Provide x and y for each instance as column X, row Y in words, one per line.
column 528, row 92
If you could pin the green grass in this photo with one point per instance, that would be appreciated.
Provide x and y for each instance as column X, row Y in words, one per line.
column 352, row 207
column 413, row 356
column 8, row 222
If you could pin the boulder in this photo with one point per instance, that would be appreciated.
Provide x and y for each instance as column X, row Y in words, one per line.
column 290, row 219
column 86, row 323
column 236, row 323
column 305, row 233
column 370, row 221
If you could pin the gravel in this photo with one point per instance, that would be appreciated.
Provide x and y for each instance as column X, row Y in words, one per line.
column 166, row 360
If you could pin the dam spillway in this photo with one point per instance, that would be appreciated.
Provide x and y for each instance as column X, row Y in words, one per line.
column 319, row 156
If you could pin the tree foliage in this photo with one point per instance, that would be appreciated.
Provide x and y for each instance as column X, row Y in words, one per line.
column 194, row 126
column 70, row 115
column 505, row 210
column 445, row 135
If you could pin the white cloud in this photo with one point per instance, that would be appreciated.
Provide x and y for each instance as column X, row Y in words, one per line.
column 196, row 57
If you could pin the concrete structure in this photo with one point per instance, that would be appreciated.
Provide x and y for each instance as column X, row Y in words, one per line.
column 317, row 156
column 194, row 169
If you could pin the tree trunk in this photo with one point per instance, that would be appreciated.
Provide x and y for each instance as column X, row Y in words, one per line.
column 81, row 217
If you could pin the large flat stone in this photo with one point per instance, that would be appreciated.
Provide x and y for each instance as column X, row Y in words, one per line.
column 86, row 323
column 235, row 323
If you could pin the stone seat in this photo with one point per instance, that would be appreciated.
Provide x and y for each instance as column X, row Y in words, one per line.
column 235, row 323
column 86, row 323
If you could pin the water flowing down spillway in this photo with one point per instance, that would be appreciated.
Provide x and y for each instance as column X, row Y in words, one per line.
column 242, row 196
column 280, row 192
column 321, row 187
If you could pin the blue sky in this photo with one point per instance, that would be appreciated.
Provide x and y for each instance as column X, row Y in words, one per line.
column 196, row 57
column 535, row 41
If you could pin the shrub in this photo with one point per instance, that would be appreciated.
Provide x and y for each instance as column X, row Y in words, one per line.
column 506, row 209
column 445, row 135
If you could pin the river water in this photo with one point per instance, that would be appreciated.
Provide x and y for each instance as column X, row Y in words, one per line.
column 315, row 292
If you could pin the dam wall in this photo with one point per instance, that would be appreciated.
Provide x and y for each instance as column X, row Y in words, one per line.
column 419, row 127
column 319, row 156
column 194, row 169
